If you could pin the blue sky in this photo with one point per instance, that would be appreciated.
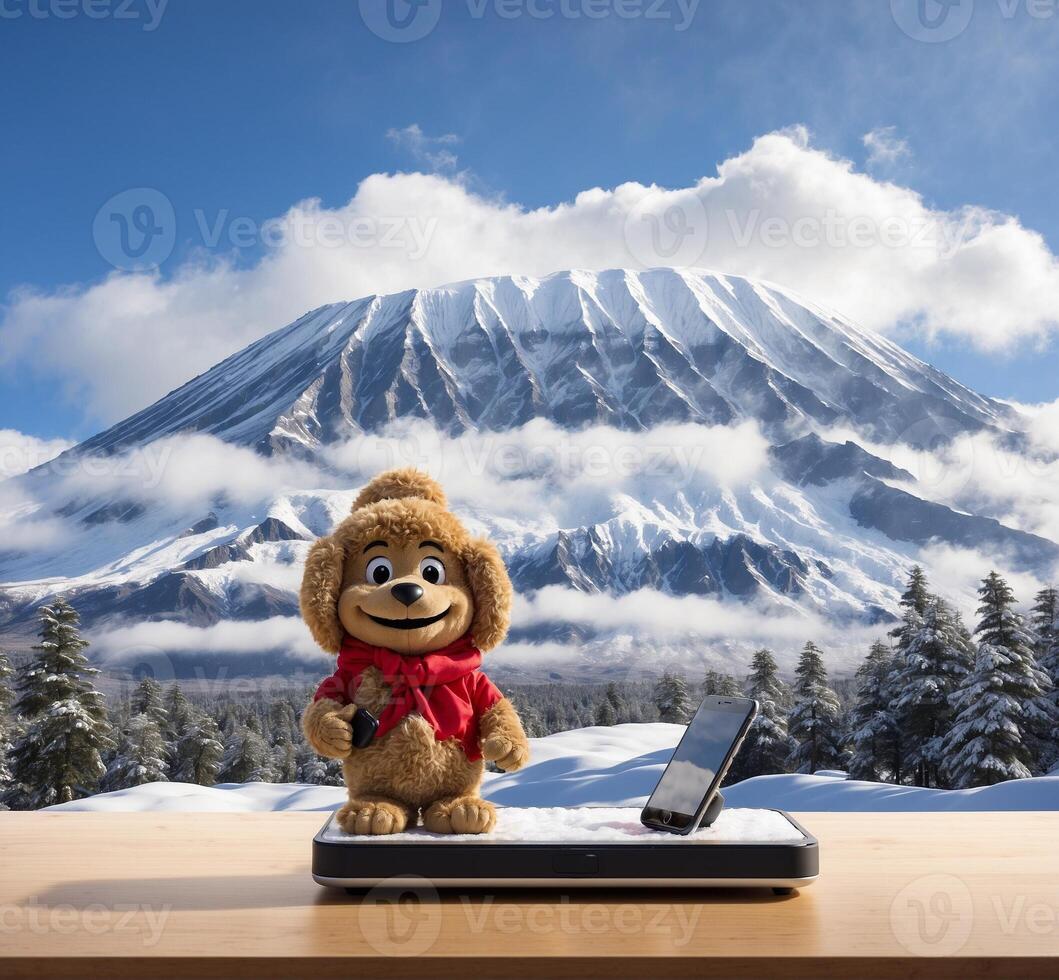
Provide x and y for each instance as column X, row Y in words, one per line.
column 249, row 106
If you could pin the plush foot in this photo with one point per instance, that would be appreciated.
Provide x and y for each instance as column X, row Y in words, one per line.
column 374, row 815
column 462, row 815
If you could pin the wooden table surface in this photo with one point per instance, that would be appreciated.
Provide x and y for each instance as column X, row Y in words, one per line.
column 140, row 895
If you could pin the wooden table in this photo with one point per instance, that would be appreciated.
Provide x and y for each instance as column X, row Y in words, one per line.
column 139, row 895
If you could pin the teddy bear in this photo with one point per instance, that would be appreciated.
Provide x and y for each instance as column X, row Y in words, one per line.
column 409, row 601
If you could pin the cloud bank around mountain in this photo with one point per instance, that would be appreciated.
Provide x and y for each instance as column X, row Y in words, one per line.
column 20, row 453
column 783, row 210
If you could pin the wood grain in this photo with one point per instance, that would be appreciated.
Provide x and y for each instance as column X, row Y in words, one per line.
column 230, row 895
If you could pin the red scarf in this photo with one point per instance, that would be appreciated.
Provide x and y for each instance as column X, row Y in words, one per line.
column 445, row 687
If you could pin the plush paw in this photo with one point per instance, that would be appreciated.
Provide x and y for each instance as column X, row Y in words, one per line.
column 508, row 755
column 334, row 733
column 375, row 818
column 465, row 816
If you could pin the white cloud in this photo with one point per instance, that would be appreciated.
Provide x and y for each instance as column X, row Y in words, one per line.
column 184, row 472
column 956, row 573
column 144, row 640
column 1043, row 428
column 20, row 453
column 665, row 617
column 984, row 474
column 885, row 147
column 783, row 211
column 436, row 151
column 693, row 631
column 543, row 471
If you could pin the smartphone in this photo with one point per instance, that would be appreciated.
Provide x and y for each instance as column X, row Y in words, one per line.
column 695, row 772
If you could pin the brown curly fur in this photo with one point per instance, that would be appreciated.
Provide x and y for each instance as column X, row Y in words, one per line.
column 408, row 769
column 402, row 521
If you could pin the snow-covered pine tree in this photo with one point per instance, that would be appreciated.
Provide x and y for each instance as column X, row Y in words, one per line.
column 141, row 756
column 177, row 712
column 722, row 685
column 56, row 758
column 1003, row 701
column 1046, row 628
column 914, row 602
column 199, row 750
column 316, row 770
column 926, row 674
column 177, row 708
column 612, row 709
column 767, row 745
column 671, row 699
column 870, row 723
column 814, row 723
column 147, row 699
column 247, row 758
column 282, row 724
column 606, row 716
column 7, row 722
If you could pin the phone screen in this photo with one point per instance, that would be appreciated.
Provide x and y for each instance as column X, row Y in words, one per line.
column 697, row 761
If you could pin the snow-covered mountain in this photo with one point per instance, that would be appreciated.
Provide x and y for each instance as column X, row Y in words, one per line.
column 822, row 529
column 622, row 348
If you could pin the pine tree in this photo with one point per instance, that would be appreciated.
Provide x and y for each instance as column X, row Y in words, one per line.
column 315, row 770
column 57, row 757
column 1003, row 701
column 148, row 700
column 914, row 601
column 671, row 699
column 199, row 750
column 177, row 710
column 605, row 714
column 246, row 757
column 721, row 685
column 1046, row 628
column 814, row 722
column 936, row 659
column 7, row 722
column 871, row 724
column 612, row 709
column 767, row 745
column 141, row 756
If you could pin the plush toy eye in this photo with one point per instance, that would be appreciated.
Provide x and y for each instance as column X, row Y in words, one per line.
column 432, row 570
column 379, row 570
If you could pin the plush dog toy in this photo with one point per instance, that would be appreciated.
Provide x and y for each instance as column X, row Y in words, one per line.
column 409, row 601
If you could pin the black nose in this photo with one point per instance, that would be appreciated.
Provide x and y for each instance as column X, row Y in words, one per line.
column 406, row 592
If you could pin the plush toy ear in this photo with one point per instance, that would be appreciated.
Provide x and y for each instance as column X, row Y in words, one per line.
column 399, row 484
column 321, row 587
column 492, row 593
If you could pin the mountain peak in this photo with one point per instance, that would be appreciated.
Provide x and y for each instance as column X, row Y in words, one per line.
column 626, row 348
